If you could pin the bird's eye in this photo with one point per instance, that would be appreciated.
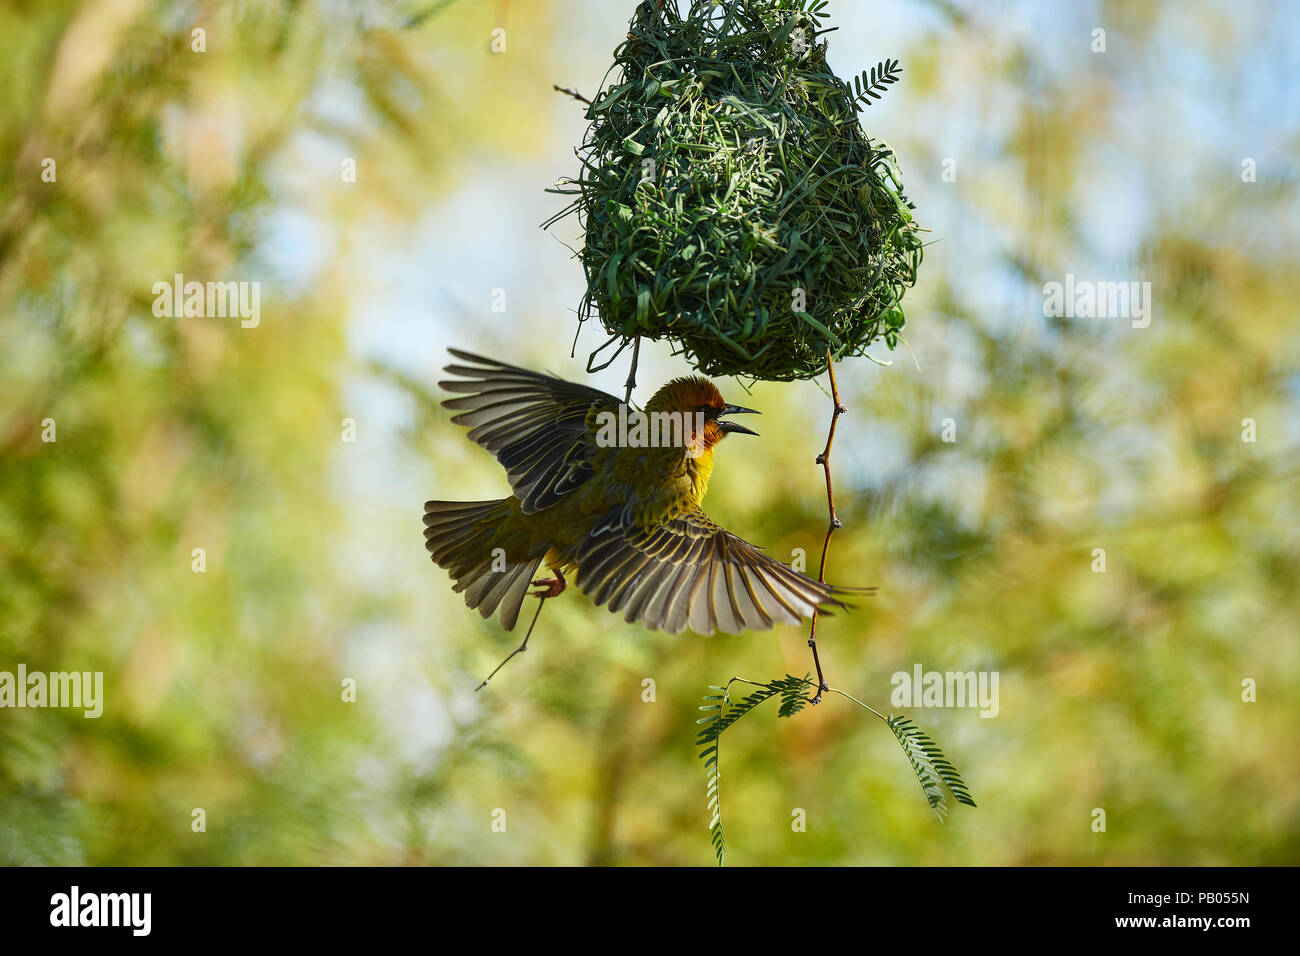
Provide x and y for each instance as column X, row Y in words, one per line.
column 705, row 409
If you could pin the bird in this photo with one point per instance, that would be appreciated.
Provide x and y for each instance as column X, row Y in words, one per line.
column 621, row 514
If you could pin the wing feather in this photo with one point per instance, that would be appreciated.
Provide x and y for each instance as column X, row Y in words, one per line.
column 659, row 613
column 691, row 573
column 536, row 425
column 724, row 601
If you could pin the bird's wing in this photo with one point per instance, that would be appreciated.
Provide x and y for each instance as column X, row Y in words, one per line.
column 690, row 572
column 536, row 425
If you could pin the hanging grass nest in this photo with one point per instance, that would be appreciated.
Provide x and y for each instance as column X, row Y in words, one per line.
column 731, row 201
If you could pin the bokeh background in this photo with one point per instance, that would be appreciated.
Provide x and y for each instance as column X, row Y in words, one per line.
column 1119, row 690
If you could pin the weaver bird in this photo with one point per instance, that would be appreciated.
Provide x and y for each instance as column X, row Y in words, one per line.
column 626, row 519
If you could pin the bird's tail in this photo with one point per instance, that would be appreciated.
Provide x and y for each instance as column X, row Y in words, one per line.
column 462, row 536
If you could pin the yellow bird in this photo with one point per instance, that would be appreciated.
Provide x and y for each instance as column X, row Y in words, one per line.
column 617, row 503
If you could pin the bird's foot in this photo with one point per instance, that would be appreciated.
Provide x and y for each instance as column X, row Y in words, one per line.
column 550, row 587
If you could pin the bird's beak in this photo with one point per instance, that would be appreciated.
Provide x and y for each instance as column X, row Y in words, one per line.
column 732, row 426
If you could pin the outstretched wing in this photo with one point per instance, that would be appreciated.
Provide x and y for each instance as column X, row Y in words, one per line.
column 536, row 425
column 690, row 572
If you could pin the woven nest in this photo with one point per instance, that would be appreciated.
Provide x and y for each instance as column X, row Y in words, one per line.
column 730, row 199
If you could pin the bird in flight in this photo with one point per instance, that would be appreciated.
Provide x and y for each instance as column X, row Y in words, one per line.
column 613, row 504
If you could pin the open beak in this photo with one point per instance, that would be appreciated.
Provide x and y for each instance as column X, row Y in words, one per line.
column 730, row 427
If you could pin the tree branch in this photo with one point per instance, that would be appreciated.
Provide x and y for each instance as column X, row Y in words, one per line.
column 631, row 373
column 824, row 459
column 574, row 93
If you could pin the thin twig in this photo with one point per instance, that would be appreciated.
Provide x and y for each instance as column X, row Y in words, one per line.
column 824, row 459
column 518, row 650
column 831, row 690
column 631, row 373
column 574, row 93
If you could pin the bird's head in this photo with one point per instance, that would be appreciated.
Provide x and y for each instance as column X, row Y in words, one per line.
column 698, row 400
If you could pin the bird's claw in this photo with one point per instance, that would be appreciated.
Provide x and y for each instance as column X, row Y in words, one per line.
column 550, row 587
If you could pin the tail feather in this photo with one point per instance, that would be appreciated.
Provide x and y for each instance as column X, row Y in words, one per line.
column 458, row 534
column 461, row 537
column 513, row 599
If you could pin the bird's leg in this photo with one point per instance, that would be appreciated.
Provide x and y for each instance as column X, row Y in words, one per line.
column 550, row 587
column 824, row 459
column 518, row 650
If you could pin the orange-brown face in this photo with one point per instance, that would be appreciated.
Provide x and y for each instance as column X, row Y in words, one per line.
column 698, row 399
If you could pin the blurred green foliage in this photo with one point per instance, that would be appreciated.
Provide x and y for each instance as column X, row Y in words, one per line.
column 1120, row 690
